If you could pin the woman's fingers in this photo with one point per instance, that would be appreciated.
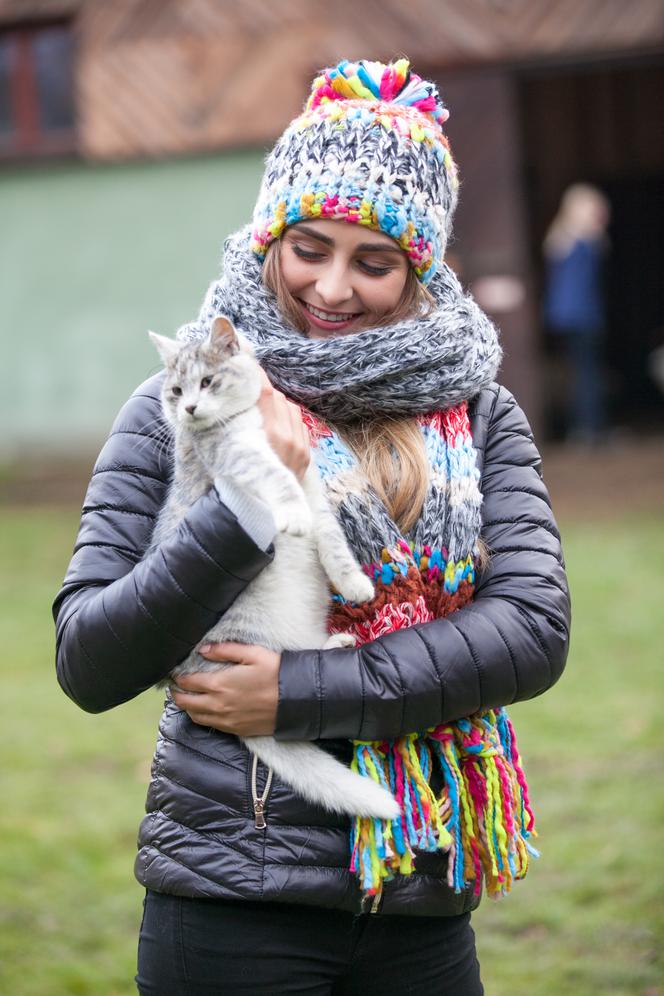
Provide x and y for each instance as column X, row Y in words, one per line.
column 284, row 428
column 241, row 700
column 300, row 440
column 235, row 653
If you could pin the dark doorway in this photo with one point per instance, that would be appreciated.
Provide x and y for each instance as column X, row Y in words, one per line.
column 602, row 124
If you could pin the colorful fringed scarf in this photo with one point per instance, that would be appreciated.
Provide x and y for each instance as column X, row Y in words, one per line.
column 482, row 817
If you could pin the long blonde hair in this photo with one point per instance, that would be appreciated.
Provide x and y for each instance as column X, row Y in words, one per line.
column 584, row 213
column 390, row 451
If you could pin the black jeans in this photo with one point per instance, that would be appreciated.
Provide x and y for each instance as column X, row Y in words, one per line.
column 189, row 947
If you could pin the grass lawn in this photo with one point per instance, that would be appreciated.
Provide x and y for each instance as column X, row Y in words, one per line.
column 589, row 918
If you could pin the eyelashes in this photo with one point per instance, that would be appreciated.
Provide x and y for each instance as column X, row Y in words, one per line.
column 305, row 253
column 376, row 271
column 312, row 256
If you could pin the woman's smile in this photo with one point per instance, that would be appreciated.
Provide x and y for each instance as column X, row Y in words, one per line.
column 344, row 277
column 329, row 321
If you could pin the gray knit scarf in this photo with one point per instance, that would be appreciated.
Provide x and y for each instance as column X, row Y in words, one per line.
column 417, row 365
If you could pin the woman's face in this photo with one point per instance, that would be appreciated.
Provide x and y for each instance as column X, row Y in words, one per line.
column 343, row 276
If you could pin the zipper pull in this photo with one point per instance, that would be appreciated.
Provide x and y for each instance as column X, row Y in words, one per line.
column 375, row 905
column 259, row 801
column 259, row 806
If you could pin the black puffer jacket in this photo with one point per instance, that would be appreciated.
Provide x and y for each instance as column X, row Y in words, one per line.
column 123, row 622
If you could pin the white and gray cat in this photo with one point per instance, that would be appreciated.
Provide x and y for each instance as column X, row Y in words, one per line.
column 209, row 397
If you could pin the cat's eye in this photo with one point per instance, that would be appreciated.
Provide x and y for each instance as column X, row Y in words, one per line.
column 206, row 381
column 177, row 391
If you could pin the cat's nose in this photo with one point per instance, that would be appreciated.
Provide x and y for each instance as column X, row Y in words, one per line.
column 190, row 408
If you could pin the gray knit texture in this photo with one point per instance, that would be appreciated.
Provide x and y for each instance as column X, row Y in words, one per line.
column 423, row 364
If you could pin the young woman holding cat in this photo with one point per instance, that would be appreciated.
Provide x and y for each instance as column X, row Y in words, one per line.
column 381, row 371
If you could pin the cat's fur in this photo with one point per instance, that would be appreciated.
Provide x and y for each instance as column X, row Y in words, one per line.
column 285, row 606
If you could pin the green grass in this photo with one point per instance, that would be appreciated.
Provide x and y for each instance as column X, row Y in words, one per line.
column 587, row 920
column 589, row 917
column 74, row 787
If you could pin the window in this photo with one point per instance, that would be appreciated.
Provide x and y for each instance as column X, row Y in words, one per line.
column 36, row 90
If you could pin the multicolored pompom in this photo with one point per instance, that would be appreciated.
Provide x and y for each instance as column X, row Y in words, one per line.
column 376, row 82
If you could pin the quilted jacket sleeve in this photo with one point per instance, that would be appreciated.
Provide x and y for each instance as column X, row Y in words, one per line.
column 123, row 619
column 509, row 644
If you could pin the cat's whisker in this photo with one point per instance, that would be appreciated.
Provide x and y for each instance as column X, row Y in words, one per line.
column 158, row 438
column 159, row 421
column 162, row 440
column 164, row 446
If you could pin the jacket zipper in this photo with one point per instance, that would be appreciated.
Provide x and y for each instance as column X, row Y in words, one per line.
column 260, row 801
column 372, row 904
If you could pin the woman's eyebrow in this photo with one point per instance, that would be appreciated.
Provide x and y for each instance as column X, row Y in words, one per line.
column 376, row 247
column 313, row 234
column 363, row 247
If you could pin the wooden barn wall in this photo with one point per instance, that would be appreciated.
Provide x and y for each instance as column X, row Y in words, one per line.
column 605, row 124
column 160, row 77
column 484, row 132
column 20, row 11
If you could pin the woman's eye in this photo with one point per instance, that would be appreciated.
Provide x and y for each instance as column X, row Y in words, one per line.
column 306, row 253
column 177, row 391
column 206, row 381
column 375, row 271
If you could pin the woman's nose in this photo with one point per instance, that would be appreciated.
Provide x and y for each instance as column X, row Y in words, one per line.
column 334, row 285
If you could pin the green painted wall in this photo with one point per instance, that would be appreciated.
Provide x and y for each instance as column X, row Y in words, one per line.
column 90, row 258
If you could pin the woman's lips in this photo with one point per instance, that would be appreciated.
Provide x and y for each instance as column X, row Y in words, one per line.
column 315, row 317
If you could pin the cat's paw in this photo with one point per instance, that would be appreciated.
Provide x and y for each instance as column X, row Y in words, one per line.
column 339, row 640
column 294, row 519
column 357, row 588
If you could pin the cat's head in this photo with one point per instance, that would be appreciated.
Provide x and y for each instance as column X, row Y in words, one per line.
column 209, row 381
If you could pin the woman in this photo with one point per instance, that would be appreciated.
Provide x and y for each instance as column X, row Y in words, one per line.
column 575, row 250
column 363, row 331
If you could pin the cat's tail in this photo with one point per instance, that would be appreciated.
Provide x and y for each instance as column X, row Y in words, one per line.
column 320, row 778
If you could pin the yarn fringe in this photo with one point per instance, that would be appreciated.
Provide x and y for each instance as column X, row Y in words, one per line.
column 482, row 819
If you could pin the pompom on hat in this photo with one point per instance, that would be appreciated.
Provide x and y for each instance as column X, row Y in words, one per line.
column 369, row 149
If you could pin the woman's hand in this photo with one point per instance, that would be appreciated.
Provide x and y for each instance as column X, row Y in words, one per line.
column 285, row 430
column 241, row 700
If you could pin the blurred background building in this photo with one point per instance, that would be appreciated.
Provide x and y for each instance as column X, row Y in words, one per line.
column 132, row 135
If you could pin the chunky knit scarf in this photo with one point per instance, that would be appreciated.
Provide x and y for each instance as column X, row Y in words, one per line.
column 427, row 368
column 409, row 368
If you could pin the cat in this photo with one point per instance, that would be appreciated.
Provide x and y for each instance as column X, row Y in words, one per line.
column 209, row 398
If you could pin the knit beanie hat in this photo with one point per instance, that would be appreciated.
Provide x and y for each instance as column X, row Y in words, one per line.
column 368, row 148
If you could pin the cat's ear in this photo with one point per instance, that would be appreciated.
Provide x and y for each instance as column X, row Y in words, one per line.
column 222, row 333
column 168, row 349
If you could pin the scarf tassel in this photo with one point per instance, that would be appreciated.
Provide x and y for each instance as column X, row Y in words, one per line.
column 482, row 819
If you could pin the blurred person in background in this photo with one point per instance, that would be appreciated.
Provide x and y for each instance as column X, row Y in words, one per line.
column 381, row 370
column 575, row 248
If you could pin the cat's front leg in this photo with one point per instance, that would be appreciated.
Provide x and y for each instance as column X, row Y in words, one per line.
column 339, row 641
column 341, row 567
column 251, row 464
column 334, row 553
